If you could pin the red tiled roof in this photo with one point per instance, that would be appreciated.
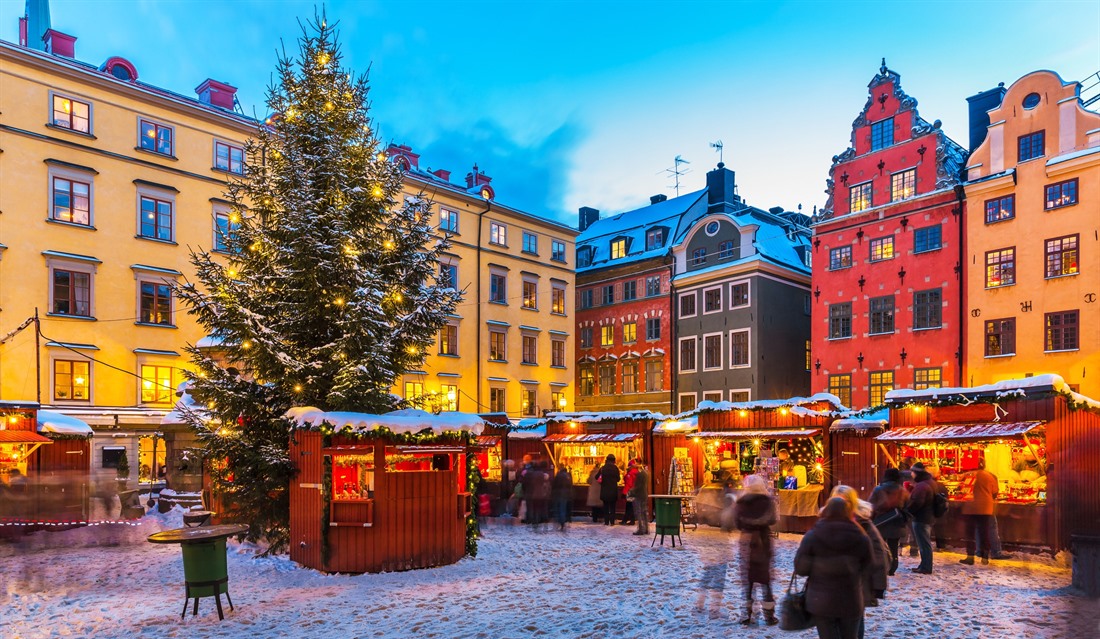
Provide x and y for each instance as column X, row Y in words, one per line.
column 22, row 437
column 994, row 430
column 486, row 441
column 595, row 437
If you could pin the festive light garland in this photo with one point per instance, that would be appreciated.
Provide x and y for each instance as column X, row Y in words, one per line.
column 102, row 522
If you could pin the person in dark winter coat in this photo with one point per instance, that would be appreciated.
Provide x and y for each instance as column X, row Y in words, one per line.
column 628, row 486
column 561, row 494
column 874, row 586
column 754, row 515
column 888, row 502
column 921, row 503
column 835, row 555
column 609, row 489
column 593, row 500
column 641, row 498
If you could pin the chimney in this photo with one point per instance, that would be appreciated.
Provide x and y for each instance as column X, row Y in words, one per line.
column 216, row 93
column 980, row 106
column 36, row 23
column 442, row 174
column 403, row 155
column 589, row 216
column 477, row 178
column 657, row 199
column 721, row 190
column 60, row 44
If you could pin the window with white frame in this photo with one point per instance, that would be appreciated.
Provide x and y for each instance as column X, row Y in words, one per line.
column 739, row 348
column 740, row 395
column 228, row 157
column 712, row 300
column 72, row 114
column 72, row 380
column 687, row 305
column 903, row 185
column 71, row 197
column 739, row 294
column 859, row 197
column 712, row 351
column 688, row 401
column 448, row 220
column 155, row 137
column 687, row 355
column 654, row 374
column 498, row 234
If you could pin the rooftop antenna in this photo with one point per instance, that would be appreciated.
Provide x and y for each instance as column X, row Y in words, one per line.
column 718, row 147
column 676, row 172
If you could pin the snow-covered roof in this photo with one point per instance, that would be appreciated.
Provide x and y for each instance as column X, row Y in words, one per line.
column 777, row 239
column 185, row 406
column 862, row 421
column 672, row 425
column 530, row 431
column 59, row 424
column 1004, row 389
column 797, row 406
column 632, row 225
column 409, row 420
column 210, row 341
column 605, row 416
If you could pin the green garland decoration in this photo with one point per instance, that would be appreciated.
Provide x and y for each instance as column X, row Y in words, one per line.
column 473, row 479
column 959, row 400
column 326, row 512
column 65, row 436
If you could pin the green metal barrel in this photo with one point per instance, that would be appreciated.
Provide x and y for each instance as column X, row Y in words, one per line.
column 667, row 514
column 205, row 562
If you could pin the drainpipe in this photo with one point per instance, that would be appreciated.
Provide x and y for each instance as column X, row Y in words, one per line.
column 477, row 291
column 960, row 197
column 673, row 348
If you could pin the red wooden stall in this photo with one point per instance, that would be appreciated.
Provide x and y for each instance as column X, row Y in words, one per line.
column 378, row 493
column 1038, row 437
column 858, row 460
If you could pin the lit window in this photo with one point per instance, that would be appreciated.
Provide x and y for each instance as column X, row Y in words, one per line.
column 882, row 248
column 72, row 114
column 448, row 340
column 156, row 304
column 618, row 249
column 587, row 381
column 530, row 294
column 607, row 335
column 157, row 386
column 228, row 158
column 882, row 382
column 1000, row 209
column 496, row 400
column 1000, row 337
column 449, row 391
column 1000, row 267
column 882, row 134
column 1031, row 146
column 530, row 404
column 859, row 197
column 156, row 219
column 497, row 349
column 1061, row 194
column 155, row 137
column 225, row 230
column 557, row 300
column 630, row 332
column 71, row 380
column 903, row 185
column 72, row 202
column 1061, row 253
column 72, row 293
column 840, row 258
column 841, row 386
column 414, row 393
column 927, row 378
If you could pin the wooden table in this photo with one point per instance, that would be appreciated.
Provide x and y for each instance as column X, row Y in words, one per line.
column 205, row 573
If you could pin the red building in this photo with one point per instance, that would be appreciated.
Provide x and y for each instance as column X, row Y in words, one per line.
column 887, row 285
column 624, row 304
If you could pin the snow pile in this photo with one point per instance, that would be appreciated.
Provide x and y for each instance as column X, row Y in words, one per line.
column 862, row 421
column 1003, row 389
column 529, row 429
column 409, row 420
column 589, row 582
column 185, row 406
column 673, row 425
column 606, row 416
column 53, row 422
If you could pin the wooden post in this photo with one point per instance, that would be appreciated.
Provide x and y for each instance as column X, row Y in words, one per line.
column 1031, row 449
column 889, row 458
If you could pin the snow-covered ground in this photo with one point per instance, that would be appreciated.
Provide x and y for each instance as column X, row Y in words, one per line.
column 591, row 581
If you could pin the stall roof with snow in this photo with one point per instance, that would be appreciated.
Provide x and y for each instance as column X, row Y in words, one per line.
column 59, row 424
column 1036, row 386
column 399, row 421
column 797, row 406
column 605, row 416
column 862, row 421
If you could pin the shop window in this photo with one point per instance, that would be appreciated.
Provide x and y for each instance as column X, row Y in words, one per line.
column 882, row 314
column 1061, row 194
column 859, row 197
column 496, row 400
column 498, row 288
column 498, row 234
column 586, row 337
column 406, row 459
column 653, row 328
column 630, row 377
column 653, row 286
column 352, row 479
column 841, row 386
column 557, row 300
column 448, row 340
column 924, row 378
column 630, row 332
column 72, row 293
column 882, row 382
column 228, row 157
column 155, row 137
column 448, row 220
column 882, row 248
column 1061, row 256
column 1061, row 331
column 587, row 381
column 579, row 458
column 1031, row 146
column 739, row 348
column 71, row 114
column 497, row 347
column 840, row 320
column 712, row 300
column 1000, row 267
column 654, row 375
column 607, row 335
column 530, row 243
column 1000, row 209
column 530, row 295
column 739, row 294
column 557, row 353
column 928, row 309
column 530, row 349
column 155, row 303
column 882, row 134
column 712, row 351
column 607, row 379
column 72, row 202
column 929, row 238
column 71, row 380
column 528, row 402
column 687, row 305
column 630, row 290
column 618, row 249
column 687, row 355
column 152, row 457
column 1000, row 337
column 840, row 258
column 608, row 294
column 226, row 224
column 157, row 384
column 903, row 185
column 156, row 219
column 557, row 251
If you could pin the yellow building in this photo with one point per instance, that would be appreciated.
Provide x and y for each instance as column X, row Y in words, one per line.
column 1032, row 257
column 509, row 346
column 105, row 184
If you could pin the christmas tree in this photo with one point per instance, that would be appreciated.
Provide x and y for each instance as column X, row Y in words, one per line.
column 331, row 290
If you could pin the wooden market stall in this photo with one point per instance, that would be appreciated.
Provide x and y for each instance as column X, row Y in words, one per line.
column 1040, row 439
column 581, row 440
column 717, row 444
column 377, row 493
column 857, row 460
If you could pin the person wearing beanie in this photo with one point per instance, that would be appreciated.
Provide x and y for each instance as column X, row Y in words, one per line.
column 921, row 507
column 888, row 501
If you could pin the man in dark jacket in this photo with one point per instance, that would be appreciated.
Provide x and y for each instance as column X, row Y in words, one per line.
column 921, row 504
column 641, row 498
column 561, row 494
column 888, row 501
column 836, row 556
column 609, row 489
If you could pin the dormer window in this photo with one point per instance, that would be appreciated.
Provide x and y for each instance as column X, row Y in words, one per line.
column 698, row 257
column 618, row 248
column 584, row 256
column 654, row 239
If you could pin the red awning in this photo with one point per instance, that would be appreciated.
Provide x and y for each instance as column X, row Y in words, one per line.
column 486, row 441
column 757, row 434
column 995, row 430
column 592, row 438
column 22, row 437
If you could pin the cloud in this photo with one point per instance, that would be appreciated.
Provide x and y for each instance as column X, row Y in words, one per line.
column 530, row 174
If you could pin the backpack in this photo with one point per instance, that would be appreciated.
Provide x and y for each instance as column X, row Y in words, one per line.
column 939, row 505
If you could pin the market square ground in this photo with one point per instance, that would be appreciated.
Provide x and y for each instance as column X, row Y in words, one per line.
column 590, row 581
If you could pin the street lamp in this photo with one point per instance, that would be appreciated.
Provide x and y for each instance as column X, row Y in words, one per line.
column 561, row 402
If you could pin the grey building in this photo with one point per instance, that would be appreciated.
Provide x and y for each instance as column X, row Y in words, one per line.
column 741, row 297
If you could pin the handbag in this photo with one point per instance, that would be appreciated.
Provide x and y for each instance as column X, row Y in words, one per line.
column 792, row 610
column 889, row 517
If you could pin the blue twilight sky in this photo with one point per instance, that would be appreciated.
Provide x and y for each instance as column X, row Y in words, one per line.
column 586, row 103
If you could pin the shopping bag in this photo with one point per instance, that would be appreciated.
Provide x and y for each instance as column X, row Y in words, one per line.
column 792, row 610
